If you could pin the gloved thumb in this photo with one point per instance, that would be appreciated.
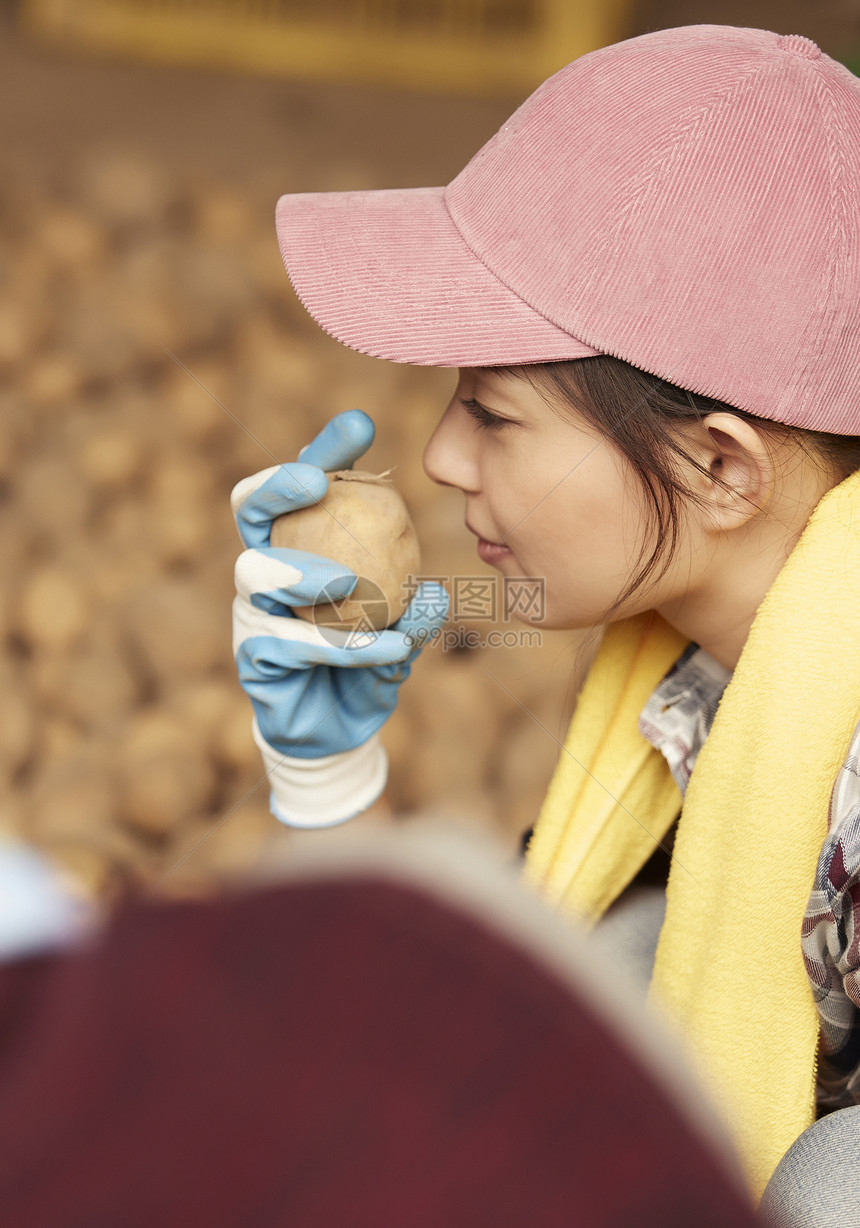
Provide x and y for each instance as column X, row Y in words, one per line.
column 426, row 613
column 341, row 441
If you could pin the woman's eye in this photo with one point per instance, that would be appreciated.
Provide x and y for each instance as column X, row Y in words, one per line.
column 483, row 416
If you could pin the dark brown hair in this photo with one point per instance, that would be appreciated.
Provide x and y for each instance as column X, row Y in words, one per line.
column 641, row 414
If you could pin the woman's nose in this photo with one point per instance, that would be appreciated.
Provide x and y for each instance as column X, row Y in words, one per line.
column 449, row 455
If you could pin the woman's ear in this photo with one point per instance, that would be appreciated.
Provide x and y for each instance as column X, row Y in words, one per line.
column 738, row 469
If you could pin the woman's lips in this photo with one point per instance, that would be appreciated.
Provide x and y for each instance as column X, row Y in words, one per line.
column 492, row 552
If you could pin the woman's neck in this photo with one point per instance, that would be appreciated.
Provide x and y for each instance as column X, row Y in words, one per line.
column 718, row 612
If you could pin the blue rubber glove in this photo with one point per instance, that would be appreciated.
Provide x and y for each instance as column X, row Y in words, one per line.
column 319, row 695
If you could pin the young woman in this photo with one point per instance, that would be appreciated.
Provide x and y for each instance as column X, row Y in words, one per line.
column 650, row 282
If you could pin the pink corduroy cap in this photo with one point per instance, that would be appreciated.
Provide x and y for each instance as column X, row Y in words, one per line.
column 688, row 201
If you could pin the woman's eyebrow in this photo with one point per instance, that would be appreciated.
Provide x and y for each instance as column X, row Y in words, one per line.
column 493, row 390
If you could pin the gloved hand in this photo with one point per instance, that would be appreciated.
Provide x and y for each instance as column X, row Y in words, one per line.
column 319, row 697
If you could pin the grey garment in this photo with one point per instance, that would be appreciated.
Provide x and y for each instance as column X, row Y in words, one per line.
column 817, row 1182
column 628, row 932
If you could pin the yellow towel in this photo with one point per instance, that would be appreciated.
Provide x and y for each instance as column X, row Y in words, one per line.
column 729, row 968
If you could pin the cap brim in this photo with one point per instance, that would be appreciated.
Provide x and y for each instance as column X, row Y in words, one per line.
column 387, row 273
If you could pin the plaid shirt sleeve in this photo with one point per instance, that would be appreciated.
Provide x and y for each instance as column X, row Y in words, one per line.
column 831, row 940
column 676, row 720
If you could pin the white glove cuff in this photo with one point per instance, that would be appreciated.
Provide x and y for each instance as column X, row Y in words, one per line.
column 327, row 791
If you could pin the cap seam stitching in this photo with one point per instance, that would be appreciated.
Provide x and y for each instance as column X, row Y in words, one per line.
column 717, row 104
column 498, row 278
column 719, row 99
column 820, row 327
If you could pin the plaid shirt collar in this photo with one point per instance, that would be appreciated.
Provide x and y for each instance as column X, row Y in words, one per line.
column 678, row 716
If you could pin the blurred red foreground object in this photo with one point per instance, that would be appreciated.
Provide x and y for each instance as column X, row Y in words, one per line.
column 343, row 1051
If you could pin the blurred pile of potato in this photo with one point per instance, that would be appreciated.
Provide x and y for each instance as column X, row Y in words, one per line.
column 151, row 354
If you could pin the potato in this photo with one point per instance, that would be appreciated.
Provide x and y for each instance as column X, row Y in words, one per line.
column 363, row 523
